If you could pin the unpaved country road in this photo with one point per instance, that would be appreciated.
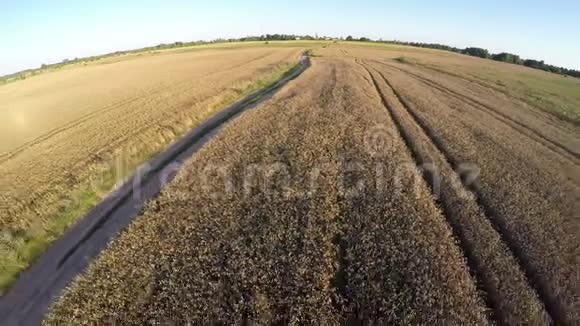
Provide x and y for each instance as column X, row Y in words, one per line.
column 29, row 298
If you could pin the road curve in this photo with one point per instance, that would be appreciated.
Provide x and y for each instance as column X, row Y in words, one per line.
column 32, row 294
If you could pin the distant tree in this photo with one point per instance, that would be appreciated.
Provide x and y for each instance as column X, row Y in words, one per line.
column 349, row 38
column 571, row 72
column 506, row 57
column 534, row 63
column 556, row 70
column 364, row 39
column 477, row 52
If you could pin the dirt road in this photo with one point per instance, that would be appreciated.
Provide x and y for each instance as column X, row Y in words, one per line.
column 27, row 301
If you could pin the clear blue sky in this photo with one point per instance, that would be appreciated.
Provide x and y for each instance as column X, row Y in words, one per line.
column 45, row 31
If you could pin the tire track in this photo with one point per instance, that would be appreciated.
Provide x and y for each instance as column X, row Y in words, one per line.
column 567, row 155
column 482, row 107
column 537, row 110
column 505, row 287
column 550, row 301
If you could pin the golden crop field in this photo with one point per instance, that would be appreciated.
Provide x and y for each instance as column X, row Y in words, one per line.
column 70, row 135
column 385, row 185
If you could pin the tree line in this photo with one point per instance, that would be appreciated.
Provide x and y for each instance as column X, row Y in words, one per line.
column 503, row 57
column 471, row 51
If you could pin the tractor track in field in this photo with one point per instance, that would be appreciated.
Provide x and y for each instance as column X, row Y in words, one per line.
column 537, row 110
column 541, row 289
column 30, row 297
column 473, row 222
column 557, row 148
column 427, row 175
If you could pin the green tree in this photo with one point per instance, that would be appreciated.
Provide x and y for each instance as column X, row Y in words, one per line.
column 477, row 52
column 506, row 57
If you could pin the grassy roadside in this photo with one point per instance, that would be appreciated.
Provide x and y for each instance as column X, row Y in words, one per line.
column 19, row 250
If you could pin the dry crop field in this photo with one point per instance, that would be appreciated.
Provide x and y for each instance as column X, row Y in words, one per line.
column 68, row 136
column 377, row 187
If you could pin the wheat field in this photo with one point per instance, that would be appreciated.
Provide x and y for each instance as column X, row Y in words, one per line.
column 385, row 185
column 69, row 136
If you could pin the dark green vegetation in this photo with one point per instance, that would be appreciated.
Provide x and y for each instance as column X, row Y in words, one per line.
column 476, row 52
column 507, row 57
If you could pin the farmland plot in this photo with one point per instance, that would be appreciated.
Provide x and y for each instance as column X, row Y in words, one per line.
column 70, row 135
column 256, row 226
column 528, row 182
column 371, row 189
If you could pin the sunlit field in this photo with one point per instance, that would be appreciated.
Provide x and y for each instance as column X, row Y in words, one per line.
column 385, row 184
